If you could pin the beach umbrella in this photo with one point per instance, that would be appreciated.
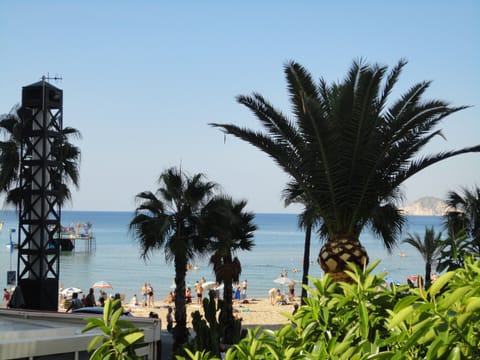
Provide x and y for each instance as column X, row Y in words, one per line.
column 208, row 285
column 69, row 291
column 284, row 281
column 102, row 285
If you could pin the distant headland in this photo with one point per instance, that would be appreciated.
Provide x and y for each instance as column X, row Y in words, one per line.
column 426, row 206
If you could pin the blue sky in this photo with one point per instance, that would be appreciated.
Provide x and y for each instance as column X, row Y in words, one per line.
column 143, row 79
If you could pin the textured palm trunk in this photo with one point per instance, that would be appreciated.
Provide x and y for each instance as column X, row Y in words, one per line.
column 336, row 253
column 181, row 333
column 428, row 274
column 228, row 306
column 306, row 262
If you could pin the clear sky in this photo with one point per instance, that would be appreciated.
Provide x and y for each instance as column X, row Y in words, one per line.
column 142, row 80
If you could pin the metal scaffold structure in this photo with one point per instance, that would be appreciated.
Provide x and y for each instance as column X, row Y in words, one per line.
column 40, row 182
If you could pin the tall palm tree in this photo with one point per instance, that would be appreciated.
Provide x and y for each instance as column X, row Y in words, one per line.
column 307, row 220
column 171, row 220
column 466, row 216
column 349, row 148
column 12, row 128
column 428, row 247
column 231, row 229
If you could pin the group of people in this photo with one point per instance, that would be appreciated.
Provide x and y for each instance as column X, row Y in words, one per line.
column 277, row 298
column 147, row 295
column 87, row 300
column 240, row 291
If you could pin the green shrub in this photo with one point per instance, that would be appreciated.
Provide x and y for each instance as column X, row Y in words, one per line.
column 120, row 338
column 369, row 320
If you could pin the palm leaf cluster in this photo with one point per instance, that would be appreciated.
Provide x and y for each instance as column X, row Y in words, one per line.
column 12, row 129
column 466, row 216
column 428, row 247
column 348, row 147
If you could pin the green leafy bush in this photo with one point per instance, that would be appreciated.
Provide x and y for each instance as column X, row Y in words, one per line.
column 120, row 338
column 370, row 320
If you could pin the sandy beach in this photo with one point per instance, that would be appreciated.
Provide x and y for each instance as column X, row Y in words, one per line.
column 258, row 312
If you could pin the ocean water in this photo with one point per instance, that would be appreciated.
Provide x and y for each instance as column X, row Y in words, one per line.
column 278, row 248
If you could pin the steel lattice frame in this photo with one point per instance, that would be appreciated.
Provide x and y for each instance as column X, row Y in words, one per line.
column 40, row 211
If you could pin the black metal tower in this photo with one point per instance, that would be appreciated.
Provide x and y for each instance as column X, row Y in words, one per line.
column 40, row 211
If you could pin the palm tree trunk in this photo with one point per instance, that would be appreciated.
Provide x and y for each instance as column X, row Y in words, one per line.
column 428, row 272
column 228, row 308
column 306, row 262
column 181, row 332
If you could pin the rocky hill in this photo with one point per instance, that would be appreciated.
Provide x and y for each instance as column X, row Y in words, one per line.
column 426, row 206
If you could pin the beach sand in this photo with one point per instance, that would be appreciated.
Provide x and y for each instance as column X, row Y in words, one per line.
column 258, row 312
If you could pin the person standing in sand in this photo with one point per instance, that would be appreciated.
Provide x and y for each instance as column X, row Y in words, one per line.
column 150, row 295
column 199, row 291
column 236, row 293
column 272, row 293
column 6, row 296
column 170, row 319
column 291, row 292
column 144, row 293
column 244, row 289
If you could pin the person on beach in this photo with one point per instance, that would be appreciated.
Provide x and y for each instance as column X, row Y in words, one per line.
column 170, row 298
column 144, row 293
column 102, row 298
column 153, row 315
column 279, row 299
column 170, row 319
column 6, row 296
column 244, row 289
column 90, row 299
column 119, row 298
column 199, row 292
column 76, row 303
column 236, row 293
column 134, row 301
column 271, row 295
column 188, row 296
column 150, row 295
column 291, row 292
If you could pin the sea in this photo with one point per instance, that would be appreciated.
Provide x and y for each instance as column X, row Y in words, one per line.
column 279, row 244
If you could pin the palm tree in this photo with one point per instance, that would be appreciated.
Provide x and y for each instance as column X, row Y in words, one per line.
column 465, row 217
column 231, row 229
column 453, row 251
column 171, row 220
column 348, row 149
column 307, row 220
column 12, row 127
column 428, row 247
